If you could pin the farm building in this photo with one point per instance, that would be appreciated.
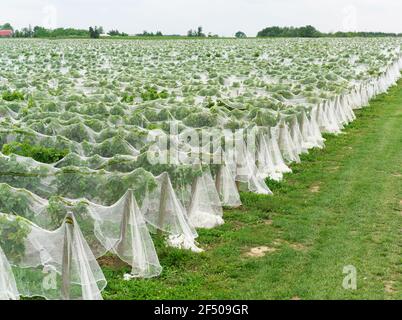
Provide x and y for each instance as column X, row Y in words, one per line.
column 6, row 33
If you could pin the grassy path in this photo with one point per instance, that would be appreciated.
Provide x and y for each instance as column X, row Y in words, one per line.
column 341, row 206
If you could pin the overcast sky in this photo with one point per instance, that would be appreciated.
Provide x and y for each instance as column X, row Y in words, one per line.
column 223, row 17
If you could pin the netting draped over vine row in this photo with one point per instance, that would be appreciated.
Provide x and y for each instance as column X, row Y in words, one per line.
column 104, row 195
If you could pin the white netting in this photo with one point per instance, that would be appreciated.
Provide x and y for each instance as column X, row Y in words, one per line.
column 310, row 130
column 297, row 137
column 286, row 145
column 101, row 120
column 119, row 228
column 122, row 229
column 226, row 187
column 8, row 287
column 205, row 208
column 164, row 212
column 51, row 264
column 267, row 161
column 242, row 163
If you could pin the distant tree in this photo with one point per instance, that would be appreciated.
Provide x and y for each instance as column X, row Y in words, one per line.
column 240, row 34
column 196, row 33
column 114, row 33
column 117, row 33
column 150, row 34
column 200, row 32
column 304, row 32
column 269, row 32
column 340, row 34
column 146, row 34
column 40, row 32
column 6, row 26
column 94, row 32
column 308, row 32
column 24, row 33
column 211, row 35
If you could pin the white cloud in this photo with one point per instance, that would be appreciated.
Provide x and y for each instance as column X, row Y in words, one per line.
column 224, row 17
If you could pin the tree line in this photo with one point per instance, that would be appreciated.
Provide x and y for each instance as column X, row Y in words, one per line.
column 311, row 32
column 41, row 32
column 199, row 33
column 270, row 32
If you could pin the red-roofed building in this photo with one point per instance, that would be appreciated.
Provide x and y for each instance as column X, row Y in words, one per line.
column 6, row 33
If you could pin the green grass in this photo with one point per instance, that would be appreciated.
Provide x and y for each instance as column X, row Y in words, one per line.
column 354, row 217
